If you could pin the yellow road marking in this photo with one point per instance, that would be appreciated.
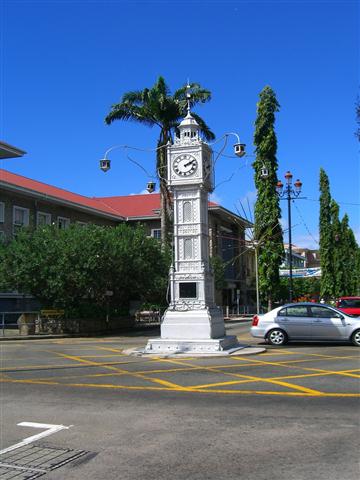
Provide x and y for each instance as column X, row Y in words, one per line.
column 259, row 379
column 133, row 374
column 116, row 350
column 184, row 389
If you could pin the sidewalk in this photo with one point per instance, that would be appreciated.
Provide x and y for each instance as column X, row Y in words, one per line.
column 14, row 335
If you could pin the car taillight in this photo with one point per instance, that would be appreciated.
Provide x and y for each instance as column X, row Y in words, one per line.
column 255, row 321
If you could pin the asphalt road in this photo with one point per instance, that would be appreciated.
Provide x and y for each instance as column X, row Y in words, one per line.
column 289, row 413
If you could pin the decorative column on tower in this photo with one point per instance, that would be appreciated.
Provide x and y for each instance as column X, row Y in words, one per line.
column 192, row 322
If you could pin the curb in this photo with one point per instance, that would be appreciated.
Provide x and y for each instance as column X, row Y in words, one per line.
column 245, row 350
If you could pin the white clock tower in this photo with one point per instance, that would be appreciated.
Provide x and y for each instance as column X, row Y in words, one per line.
column 192, row 323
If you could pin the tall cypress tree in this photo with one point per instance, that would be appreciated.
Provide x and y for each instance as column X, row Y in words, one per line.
column 267, row 229
column 350, row 266
column 339, row 251
column 326, row 239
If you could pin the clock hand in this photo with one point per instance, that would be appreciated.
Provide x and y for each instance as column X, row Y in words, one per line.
column 188, row 163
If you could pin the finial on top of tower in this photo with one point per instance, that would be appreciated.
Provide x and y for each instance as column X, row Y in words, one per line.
column 188, row 95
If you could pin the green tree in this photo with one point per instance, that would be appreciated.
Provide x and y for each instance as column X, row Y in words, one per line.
column 219, row 267
column 349, row 265
column 74, row 268
column 339, row 251
column 156, row 106
column 303, row 288
column 326, row 239
column 267, row 229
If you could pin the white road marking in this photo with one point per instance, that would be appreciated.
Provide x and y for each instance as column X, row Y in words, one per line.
column 49, row 430
column 26, row 469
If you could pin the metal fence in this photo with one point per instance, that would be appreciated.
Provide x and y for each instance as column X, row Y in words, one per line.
column 11, row 325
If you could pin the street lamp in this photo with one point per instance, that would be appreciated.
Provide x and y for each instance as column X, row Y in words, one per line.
column 290, row 192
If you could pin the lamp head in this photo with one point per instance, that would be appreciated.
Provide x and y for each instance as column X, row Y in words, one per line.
column 105, row 164
column 264, row 172
column 239, row 149
column 279, row 187
column 288, row 176
column 150, row 186
column 297, row 186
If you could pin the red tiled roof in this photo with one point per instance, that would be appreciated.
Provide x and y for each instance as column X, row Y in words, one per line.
column 146, row 205
column 130, row 206
column 138, row 206
column 54, row 192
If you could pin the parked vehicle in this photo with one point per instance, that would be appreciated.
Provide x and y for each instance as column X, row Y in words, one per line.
column 306, row 321
column 349, row 305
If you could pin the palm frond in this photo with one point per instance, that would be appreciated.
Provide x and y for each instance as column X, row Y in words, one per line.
column 135, row 97
column 205, row 129
column 161, row 88
column 126, row 111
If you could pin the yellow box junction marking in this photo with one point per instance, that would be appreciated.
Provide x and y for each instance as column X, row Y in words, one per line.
column 186, row 366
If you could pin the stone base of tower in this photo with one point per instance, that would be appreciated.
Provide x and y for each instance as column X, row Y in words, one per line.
column 202, row 324
column 192, row 331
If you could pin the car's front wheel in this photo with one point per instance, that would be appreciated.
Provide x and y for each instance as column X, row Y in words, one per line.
column 277, row 337
column 355, row 338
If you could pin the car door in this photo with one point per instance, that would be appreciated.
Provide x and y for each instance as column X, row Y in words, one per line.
column 327, row 323
column 296, row 320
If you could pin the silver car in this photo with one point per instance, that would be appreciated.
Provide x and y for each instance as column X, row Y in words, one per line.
column 306, row 321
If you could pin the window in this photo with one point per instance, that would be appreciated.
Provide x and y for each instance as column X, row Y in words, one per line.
column 187, row 212
column 2, row 212
column 81, row 224
column 43, row 218
column 63, row 222
column 156, row 233
column 188, row 248
column 323, row 312
column 350, row 303
column 2, row 236
column 20, row 217
column 297, row 311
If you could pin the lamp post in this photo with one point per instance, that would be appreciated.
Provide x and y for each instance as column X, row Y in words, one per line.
column 289, row 192
column 256, row 246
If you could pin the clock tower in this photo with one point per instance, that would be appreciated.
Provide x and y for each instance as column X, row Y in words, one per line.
column 192, row 323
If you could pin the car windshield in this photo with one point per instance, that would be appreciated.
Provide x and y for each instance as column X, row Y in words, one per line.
column 350, row 303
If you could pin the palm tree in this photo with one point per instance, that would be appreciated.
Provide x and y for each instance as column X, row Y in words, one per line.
column 156, row 106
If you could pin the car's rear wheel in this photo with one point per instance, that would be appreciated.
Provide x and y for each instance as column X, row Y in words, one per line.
column 277, row 337
column 355, row 338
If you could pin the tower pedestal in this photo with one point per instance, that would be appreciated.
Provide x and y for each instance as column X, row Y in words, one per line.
column 192, row 331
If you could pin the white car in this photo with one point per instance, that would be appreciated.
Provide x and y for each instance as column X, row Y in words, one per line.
column 306, row 321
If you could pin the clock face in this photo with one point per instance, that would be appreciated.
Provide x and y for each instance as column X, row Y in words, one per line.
column 185, row 165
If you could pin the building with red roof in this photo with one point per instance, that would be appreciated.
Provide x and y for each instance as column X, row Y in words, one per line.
column 26, row 202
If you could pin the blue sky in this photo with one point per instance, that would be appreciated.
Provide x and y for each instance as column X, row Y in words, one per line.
column 64, row 63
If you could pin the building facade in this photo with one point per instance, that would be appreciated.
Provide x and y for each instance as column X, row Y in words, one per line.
column 26, row 202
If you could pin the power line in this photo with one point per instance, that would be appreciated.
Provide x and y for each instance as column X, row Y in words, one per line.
column 305, row 225
column 340, row 203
